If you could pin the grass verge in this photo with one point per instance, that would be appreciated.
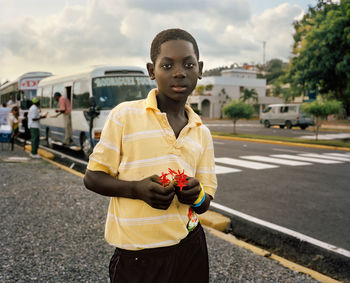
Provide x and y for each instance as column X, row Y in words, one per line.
column 336, row 143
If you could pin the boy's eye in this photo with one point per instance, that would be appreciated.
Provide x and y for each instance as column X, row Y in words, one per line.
column 166, row 66
column 189, row 65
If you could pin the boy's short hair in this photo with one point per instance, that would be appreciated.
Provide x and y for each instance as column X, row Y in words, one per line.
column 171, row 34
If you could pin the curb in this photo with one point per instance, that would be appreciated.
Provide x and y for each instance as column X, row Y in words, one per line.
column 43, row 153
column 281, row 143
column 289, row 264
column 311, row 253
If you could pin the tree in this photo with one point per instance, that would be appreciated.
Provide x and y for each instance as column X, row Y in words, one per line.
column 249, row 94
column 236, row 110
column 223, row 99
column 200, row 89
column 275, row 68
column 320, row 110
column 209, row 87
column 322, row 51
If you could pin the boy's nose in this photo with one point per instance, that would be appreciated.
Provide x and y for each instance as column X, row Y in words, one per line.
column 179, row 72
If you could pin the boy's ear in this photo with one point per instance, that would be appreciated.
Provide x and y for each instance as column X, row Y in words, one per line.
column 200, row 69
column 150, row 69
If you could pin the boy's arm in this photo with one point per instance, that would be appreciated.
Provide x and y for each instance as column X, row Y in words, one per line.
column 148, row 189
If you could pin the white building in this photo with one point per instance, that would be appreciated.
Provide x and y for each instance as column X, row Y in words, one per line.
column 229, row 85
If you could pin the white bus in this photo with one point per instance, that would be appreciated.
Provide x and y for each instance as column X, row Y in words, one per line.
column 92, row 92
column 23, row 89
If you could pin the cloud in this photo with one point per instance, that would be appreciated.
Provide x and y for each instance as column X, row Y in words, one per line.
column 120, row 32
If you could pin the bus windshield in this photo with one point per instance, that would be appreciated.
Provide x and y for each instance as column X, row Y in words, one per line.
column 28, row 94
column 110, row 91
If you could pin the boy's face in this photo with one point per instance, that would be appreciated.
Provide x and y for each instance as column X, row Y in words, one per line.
column 176, row 69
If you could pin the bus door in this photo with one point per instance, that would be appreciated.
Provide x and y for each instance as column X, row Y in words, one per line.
column 68, row 90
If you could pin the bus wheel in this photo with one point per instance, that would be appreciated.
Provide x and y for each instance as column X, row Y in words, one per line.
column 289, row 124
column 303, row 127
column 85, row 146
column 49, row 139
column 281, row 126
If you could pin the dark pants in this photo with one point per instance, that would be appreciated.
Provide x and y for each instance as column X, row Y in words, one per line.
column 184, row 262
column 35, row 138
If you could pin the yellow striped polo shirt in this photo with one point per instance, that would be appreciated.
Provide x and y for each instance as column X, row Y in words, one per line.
column 137, row 142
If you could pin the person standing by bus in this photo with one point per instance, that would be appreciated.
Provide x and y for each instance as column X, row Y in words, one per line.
column 10, row 102
column 13, row 121
column 34, row 126
column 4, row 111
column 65, row 109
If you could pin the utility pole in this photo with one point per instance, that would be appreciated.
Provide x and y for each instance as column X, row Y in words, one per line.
column 264, row 45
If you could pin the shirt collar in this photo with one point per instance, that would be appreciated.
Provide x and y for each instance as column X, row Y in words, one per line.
column 151, row 103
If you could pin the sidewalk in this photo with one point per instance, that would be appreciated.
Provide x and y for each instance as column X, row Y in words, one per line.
column 52, row 231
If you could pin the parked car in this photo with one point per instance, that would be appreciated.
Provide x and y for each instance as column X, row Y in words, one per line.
column 285, row 115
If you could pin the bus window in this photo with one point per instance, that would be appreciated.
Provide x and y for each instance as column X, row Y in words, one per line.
column 81, row 94
column 46, row 97
column 57, row 88
column 267, row 109
column 110, row 91
column 292, row 109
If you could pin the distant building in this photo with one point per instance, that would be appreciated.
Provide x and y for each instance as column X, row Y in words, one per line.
column 228, row 86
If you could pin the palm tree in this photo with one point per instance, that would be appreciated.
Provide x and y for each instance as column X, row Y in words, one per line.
column 249, row 94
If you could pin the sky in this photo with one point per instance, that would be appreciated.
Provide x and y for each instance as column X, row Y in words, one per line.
column 64, row 36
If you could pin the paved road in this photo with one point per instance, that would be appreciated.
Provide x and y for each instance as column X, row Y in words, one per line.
column 52, row 231
column 288, row 186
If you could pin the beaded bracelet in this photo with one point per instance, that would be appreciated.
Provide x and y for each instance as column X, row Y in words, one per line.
column 200, row 198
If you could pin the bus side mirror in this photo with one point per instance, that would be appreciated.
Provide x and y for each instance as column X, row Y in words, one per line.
column 92, row 101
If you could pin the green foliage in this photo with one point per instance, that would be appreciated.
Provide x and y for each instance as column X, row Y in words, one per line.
column 236, row 110
column 322, row 51
column 209, row 87
column 249, row 94
column 275, row 69
column 200, row 89
column 321, row 110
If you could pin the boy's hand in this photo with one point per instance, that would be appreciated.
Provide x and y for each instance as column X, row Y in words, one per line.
column 152, row 192
column 190, row 193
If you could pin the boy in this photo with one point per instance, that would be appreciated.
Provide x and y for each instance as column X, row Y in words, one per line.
column 155, row 228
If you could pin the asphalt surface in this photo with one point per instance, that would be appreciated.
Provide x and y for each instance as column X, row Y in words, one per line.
column 52, row 231
column 313, row 199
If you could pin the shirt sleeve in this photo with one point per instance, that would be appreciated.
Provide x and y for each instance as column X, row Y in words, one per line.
column 106, row 154
column 206, row 167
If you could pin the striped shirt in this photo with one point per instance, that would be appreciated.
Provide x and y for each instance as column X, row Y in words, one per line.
column 137, row 142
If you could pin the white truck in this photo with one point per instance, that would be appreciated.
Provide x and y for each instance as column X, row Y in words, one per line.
column 285, row 115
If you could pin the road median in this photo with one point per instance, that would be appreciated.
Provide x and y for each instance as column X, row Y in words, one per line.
column 335, row 145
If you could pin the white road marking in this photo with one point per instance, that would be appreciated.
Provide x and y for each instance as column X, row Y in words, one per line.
column 338, row 154
column 325, row 156
column 310, row 159
column 327, row 136
column 237, row 125
column 287, row 150
column 281, row 229
column 216, row 142
column 243, row 163
column 225, row 170
column 275, row 160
